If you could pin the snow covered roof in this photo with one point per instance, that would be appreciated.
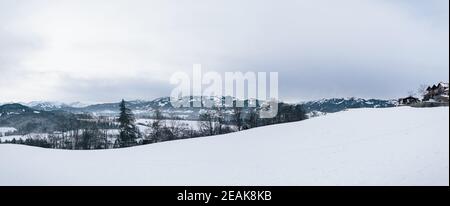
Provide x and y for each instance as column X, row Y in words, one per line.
column 409, row 97
column 439, row 85
column 443, row 84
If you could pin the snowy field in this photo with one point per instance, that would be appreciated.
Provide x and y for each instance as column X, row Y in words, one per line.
column 392, row 146
column 181, row 123
column 185, row 124
column 24, row 137
column 4, row 130
column 142, row 124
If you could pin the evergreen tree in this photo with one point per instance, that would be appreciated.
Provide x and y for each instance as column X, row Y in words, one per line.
column 127, row 127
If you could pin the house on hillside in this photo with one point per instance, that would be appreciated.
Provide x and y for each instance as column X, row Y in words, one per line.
column 437, row 93
column 408, row 100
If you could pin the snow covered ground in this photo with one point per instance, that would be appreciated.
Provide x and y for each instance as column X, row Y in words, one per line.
column 392, row 146
column 182, row 123
column 25, row 137
column 4, row 130
column 185, row 124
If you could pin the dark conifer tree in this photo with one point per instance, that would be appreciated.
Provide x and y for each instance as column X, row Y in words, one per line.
column 127, row 127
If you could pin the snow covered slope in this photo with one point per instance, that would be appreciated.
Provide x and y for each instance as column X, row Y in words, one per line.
column 390, row 146
column 4, row 130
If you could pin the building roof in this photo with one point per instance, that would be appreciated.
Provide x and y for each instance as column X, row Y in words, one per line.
column 443, row 84
column 410, row 97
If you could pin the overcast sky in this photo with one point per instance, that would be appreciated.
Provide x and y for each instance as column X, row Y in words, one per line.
column 102, row 51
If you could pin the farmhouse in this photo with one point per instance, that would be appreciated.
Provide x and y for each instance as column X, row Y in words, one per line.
column 408, row 100
column 437, row 93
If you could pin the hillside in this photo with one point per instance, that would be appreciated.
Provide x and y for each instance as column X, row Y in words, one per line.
column 143, row 108
column 388, row 146
column 339, row 104
column 27, row 119
column 139, row 107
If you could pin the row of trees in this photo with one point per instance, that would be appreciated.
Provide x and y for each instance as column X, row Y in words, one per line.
column 31, row 142
column 98, row 134
column 91, row 136
column 211, row 122
column 80, row 134
column 215, row 122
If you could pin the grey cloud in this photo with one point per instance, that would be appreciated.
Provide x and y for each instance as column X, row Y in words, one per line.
column 101, row 90
column 322, row 48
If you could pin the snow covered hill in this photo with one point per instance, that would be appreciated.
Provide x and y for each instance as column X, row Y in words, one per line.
column 383, row 146
column 340, row 104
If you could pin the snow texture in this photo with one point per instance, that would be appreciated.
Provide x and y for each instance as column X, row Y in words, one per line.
column 390, row 146
column 4, row 130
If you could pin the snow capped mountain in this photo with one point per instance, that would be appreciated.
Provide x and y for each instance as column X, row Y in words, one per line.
column 144, row 107
column 78, row 104
column 339, row 104
column 53, row 105
column 45, row 105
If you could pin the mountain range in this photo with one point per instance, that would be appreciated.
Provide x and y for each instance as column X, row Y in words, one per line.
column 28, row 119
column 43, row 116
column 338, row 104
column 141, row 107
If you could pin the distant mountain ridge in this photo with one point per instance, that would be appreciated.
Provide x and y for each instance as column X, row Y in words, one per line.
column 338, row 104
column 27, row 119
column 46, row 116
column 144, row 107
column 48, row 105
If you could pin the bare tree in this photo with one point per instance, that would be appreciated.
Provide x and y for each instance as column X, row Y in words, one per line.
column 252, row 120
column 422, row 90
column 220, row 119
column 238, row 117
column 159, row 130
column 206, row 123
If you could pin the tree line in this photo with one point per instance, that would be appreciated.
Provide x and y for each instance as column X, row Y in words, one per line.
column 122, row 132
